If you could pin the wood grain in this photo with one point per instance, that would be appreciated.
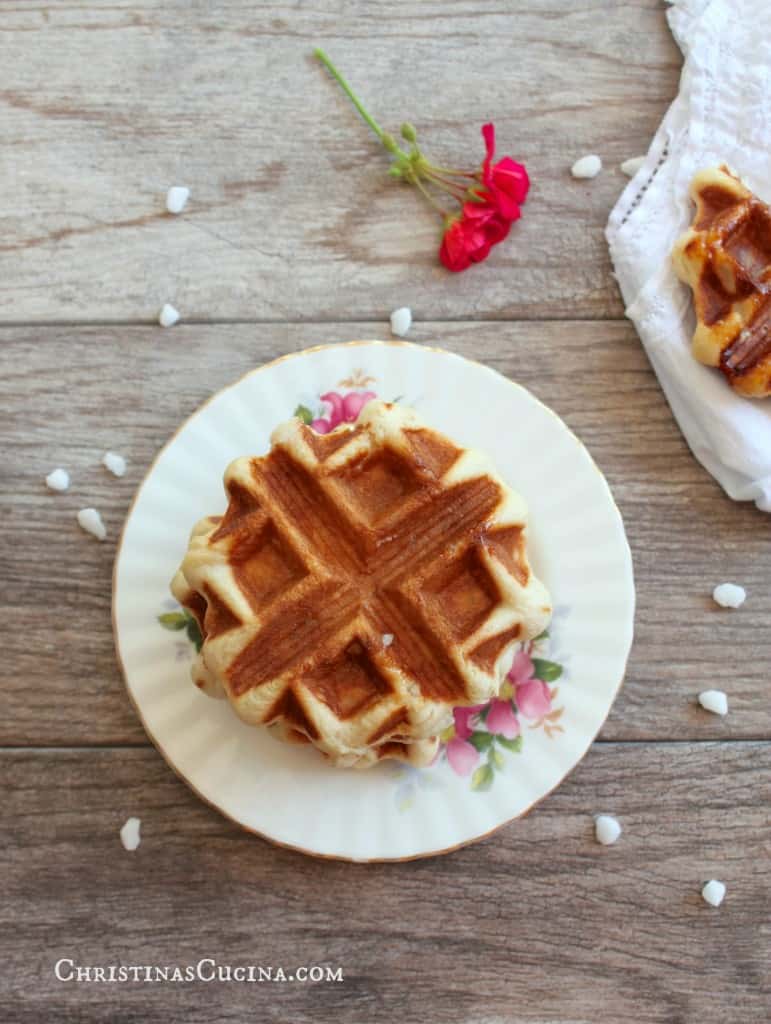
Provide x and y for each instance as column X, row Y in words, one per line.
column 537, row 923
column 70, row 394
column 104, row 105
column 295, row 231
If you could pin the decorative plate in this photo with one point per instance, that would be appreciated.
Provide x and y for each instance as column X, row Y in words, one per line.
column 495, row 762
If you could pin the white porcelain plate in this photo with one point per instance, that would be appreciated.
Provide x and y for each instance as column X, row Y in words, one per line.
column 494, row 765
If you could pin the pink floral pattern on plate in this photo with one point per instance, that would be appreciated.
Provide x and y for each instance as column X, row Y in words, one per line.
column 477, row 742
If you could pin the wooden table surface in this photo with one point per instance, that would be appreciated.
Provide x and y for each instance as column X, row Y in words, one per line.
column 294, row 235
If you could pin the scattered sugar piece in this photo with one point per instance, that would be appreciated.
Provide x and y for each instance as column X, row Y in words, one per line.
column 115, row 463
column 606, row 829
column 176, row 198
column 587, row 167
column 713, row 893
column 388, row 639
column 401, row 321
column 90, row 521
column 168, row 316
column 58, row 480
column 714, row 701
column 729, row 595
column 632, row 166
column 129, row 834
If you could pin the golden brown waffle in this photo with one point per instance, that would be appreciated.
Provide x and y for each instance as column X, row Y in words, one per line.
column 360, row 585
column 726, row 259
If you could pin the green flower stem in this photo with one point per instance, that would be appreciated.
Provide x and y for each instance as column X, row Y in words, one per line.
column 427, row 195
column 453, row 187
column 385, row 139
column 454, row 172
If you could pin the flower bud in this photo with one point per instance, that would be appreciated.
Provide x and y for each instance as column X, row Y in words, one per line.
column 408, row 132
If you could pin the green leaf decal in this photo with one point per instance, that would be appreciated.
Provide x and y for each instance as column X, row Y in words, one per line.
column 541, row 636
column 481, row 740
column 302, row 412
column 173, row 620
column 514, row 745
column 194, row 633
column 482, row 778
column 548, row 671
column 495, row 758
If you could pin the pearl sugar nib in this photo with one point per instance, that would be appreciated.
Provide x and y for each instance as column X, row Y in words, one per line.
column 115, row 463
column 90, row 521
column 713, row 892
column 606, row 829
column 714, row 701
column 129, row 834
column 729, row 595
column 401, row 321
column 632, row 166
column 168, row 316
column 587, row 166
column 176, row 198
column 58, row 480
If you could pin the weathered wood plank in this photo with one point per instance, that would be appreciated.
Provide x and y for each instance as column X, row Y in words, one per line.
column 537, row 923
column 69, row 394
column 104, row 105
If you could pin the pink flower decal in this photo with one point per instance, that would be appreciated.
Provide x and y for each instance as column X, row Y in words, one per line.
column 534, row 699
column 501, row 720
column 354, row 403
column 463, row 720
column 342, row 409
column 462, row 755
column 522, row 668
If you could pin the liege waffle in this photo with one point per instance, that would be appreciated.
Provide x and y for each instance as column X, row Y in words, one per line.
column 725, row 257
column 360, row 585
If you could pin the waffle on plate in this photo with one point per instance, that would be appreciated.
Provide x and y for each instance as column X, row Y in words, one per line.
column 360, row 585
column 725, row 257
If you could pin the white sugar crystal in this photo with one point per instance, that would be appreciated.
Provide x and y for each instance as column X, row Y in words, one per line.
column 388, row 639
column 401, row 321
column 90, row 521
column 713, row 893
column 587, row 167
column 606, row 829
column 176, row 198
column 714, row 701
column 168, row 316
column 115, row 463
column 729, row 595
column 632, row 166
column 129, row 834
column 58, row 480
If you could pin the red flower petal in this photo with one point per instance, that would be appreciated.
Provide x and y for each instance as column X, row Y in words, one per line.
column 453, row 252
column 488, row 134
column 512, row 178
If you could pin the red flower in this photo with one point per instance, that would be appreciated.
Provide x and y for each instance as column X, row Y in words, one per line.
column 512, row 178
column 489, row 197
column 464, row 243
column 469, row 238
column 486, row 216
column 506, row 183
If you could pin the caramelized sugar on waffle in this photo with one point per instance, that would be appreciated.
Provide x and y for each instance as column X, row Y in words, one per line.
column 726, row 259
column 360, row 585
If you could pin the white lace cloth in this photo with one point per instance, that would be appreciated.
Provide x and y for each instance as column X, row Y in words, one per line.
column 721, row 115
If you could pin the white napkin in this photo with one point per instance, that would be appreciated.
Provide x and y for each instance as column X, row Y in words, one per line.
column 721, row 115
